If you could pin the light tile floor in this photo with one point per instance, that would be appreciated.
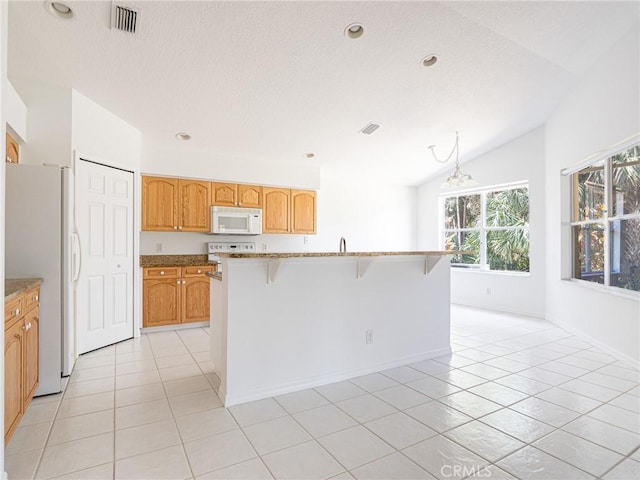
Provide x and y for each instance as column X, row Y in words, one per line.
column 518, row 398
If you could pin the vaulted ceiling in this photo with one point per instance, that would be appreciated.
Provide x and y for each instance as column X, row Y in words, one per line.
column 270, row 81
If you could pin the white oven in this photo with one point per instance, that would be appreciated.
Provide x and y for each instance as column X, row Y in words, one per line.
column 236, row 221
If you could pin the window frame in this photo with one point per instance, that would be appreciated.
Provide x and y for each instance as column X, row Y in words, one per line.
column 607, row 220
column 483, row 266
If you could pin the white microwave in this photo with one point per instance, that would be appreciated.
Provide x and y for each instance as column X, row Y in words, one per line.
column 236, row 221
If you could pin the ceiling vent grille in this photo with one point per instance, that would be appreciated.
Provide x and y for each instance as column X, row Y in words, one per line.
column 124, row 18
column 370, row 128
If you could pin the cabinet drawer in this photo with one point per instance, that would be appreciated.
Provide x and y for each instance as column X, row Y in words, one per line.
column 13, row 309
column 31, row 298
column 161, row 272
column 196, row 270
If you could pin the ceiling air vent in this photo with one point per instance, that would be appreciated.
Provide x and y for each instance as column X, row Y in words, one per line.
column 124, row 18
column 370, row 128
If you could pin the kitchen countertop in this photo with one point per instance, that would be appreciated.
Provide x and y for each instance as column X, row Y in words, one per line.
column 14, row 287
column 173, row 260
column 335, row 254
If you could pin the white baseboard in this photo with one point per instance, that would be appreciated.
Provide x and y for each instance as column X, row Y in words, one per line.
column 634, row 363
column 177, row 326
column 230, row 400
column 493, row 308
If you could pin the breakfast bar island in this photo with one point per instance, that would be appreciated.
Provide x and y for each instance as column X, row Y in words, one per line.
column 282, row 322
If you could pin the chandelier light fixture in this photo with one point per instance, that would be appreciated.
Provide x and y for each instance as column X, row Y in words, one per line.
column 457, row 179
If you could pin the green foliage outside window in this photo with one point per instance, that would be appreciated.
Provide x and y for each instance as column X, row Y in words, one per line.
column 499, row 234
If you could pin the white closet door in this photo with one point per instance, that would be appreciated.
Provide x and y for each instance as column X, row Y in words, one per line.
column 104, row 220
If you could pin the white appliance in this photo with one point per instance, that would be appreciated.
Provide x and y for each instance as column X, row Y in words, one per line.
column 227, row 247
column 40, row 242
column 236, row 221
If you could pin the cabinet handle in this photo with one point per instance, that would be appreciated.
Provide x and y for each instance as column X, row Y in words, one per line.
column 178, row 282
column 161, row 272
column 29, row 326
column 180, row 227
column 24, row 327
column 15, row 312
column 199, row 271
column 184, row 281
column 35, row 298
column 175, row 227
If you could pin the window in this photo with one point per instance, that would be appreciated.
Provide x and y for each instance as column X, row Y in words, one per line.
column 491, row 226
column 606, row 221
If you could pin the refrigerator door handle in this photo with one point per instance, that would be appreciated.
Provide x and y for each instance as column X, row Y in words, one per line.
column 77, row 257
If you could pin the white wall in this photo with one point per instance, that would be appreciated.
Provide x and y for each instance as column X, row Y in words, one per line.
column 176, row 158
column 99, row 135
column 48, row 123
column 16, row 113
column 371, row 215
column 3, row 106
column 521, row 159
column 602, row 109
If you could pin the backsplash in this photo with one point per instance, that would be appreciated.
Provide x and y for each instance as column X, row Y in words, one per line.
column 184, row 243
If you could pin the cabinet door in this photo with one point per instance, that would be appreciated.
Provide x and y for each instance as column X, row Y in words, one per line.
column 194, row 203
column 31, row 342
column 303, row 211
column 224, row 194
column 250, row 196
column 13, row 149
column 275, row 210
column 13, row 378
column 195, row 299
column 160, row 204
column 161, row 302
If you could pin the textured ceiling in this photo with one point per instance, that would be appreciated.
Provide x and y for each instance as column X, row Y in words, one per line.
column 269, row 81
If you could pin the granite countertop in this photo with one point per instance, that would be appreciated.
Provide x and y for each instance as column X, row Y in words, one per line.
column 335, row 254
column 14, row 287
column 173, row 260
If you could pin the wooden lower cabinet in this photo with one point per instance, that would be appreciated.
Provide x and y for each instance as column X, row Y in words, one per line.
column 21, row 346
column 161, row 300
column 175, row 295
column 13, row 378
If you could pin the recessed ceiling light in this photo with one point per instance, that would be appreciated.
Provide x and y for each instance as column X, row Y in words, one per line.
column 59, row 9
column 183, row 136
column 309, row 155
column 429, row 60
column 355, row 30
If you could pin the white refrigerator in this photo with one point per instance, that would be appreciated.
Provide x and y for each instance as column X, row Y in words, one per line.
column 41, row 242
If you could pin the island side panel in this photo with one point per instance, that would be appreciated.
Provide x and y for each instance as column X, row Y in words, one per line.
column 309, row 327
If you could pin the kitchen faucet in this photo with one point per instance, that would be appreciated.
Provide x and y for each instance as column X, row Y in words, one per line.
column 343, row 245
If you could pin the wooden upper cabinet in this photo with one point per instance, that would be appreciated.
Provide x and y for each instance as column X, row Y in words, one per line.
column 194, row 206
column 224, row 194
column 250, row 196
column 275, row 210
column 303, row 211
column 234, row 195
column 160, row 204
column 13, row 149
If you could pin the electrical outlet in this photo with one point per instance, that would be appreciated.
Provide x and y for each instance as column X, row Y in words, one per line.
column 305, row 239
column 264, row 247
column 368, row 337
column 488, row 290
column 158, row 247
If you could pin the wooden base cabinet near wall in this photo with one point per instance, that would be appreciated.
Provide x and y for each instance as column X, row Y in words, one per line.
column 21, row 344
column 175, row 295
